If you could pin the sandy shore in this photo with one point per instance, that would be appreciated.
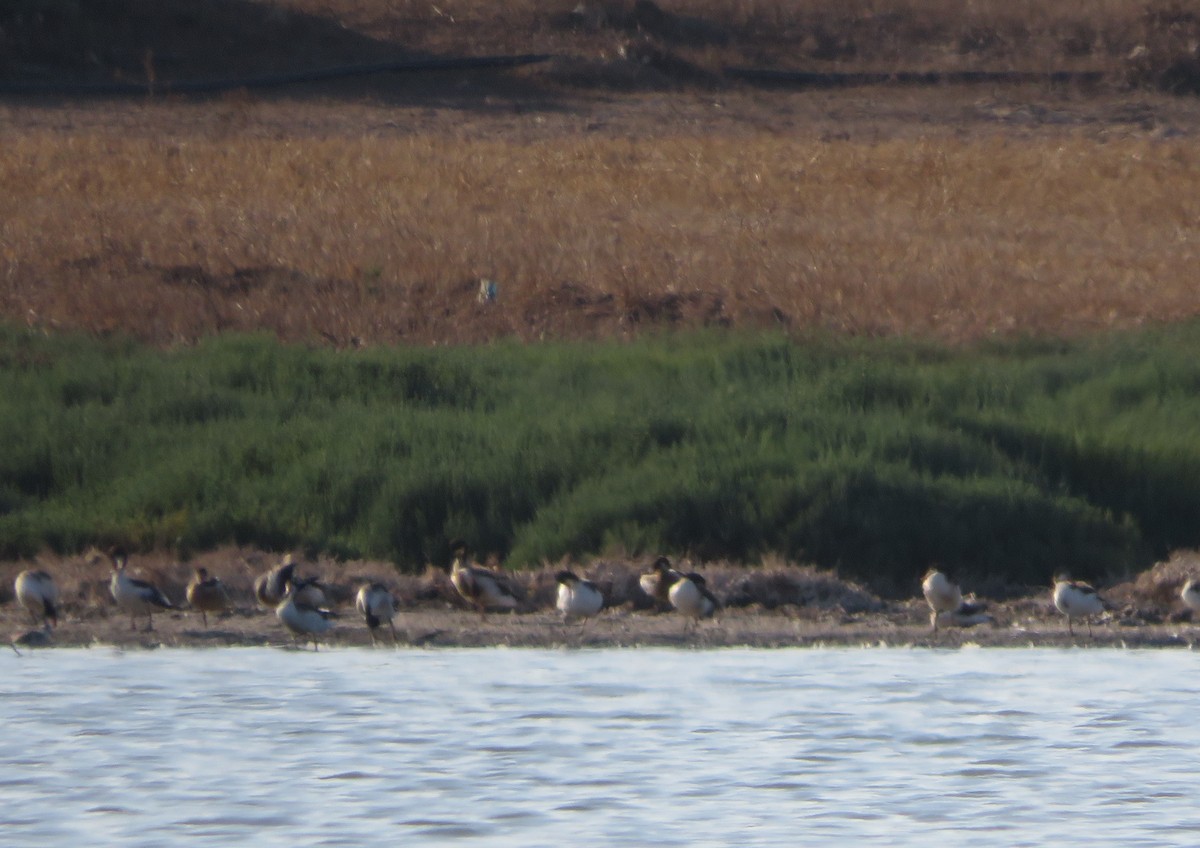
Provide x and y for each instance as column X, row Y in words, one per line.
column 903, row 625
column 772, row 605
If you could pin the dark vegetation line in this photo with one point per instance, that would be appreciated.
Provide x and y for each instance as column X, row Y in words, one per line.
column 212, row 86
column 1003, row 462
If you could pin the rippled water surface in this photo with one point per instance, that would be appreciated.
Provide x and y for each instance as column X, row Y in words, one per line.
column 618, row 747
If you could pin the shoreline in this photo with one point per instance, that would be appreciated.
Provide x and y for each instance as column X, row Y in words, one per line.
column 770, row 605
column 615, row 629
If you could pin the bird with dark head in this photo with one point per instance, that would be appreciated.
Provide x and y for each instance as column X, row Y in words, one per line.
column 377, row 605
column 577, row 598
column 481, row 587
column 206, row 594
column 137, row 597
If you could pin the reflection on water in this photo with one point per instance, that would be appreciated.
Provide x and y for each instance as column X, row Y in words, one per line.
column 618, row 747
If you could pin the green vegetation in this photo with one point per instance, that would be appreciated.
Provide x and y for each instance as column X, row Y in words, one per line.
column 875, row 457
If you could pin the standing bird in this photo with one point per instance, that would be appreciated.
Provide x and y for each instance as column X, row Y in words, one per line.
column 376, row 603
column 946, row 603
column 135, row 596
column 690, row 596
column 1075, row 598
column 302, row 619
column 657, row 582
column 206, row 594
column 36, row 592
column 577, row 598
column 271, row 586
column 481, row 587
column 1190, row 594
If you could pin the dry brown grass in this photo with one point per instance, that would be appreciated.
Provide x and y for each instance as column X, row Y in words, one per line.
column 384, row 239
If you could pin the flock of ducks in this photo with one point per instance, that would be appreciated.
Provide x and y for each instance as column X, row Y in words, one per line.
column 303, row 606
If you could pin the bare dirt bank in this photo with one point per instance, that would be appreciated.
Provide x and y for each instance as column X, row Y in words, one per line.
column 770, row 606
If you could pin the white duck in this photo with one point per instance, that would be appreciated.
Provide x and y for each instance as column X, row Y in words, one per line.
column 377, row 605
column 135, row 596
column 690, row 596
column 1075, row 599
column 946, row 603
column 35, row 590
column 302, row 619
column 1190, row 594
column 481, row 587
column 577, row 598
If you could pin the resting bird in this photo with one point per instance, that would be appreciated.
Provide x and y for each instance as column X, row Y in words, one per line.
column 577, row 598
column 1074, row 598
column 946, row 604
column 135, row 596
column 377, row 605
column 270, row 587
column 481, row 587
column 1190, row 594
column 36, row 592
column 206, row 594
column 657, row 582
column 690, row 596
column 302, row 619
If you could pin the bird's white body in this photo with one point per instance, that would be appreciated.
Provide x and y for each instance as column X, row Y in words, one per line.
column 579, row 598
column 136, row 597
column 690, row 598
column 377, row 605
column 35, row 590
column 302, row 620
column 940, row 593
column 1190, row 595
column 1076, row 599
column 947, row 608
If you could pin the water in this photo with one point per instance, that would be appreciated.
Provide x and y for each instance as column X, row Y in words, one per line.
column 617, row 747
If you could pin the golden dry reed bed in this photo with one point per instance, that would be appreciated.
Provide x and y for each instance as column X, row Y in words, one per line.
column 382, row 239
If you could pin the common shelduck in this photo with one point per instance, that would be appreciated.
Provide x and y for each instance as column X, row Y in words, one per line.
column 946, row 603
column 207, row 594
column 1076, row 599
column 271, row 586
column 1190, row 594
column 36, row 592
column 577, row 598
column 481, row 587
column 658, row 581
column 135, row 596
column 301, row 619
column 377, row 605
column 690, row 596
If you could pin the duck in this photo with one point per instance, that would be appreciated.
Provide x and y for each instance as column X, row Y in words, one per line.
column 43, row 637
column 947, row 605
column 1074, row 599
column 35, row 590
column 302, row 619
column 657, row 582
column 132, row 595
column 481, row 587
column 1190, row 594
column 377, row 605
column 271, row 586
column 207, row 594
column 690, row 596
column 577, row 598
